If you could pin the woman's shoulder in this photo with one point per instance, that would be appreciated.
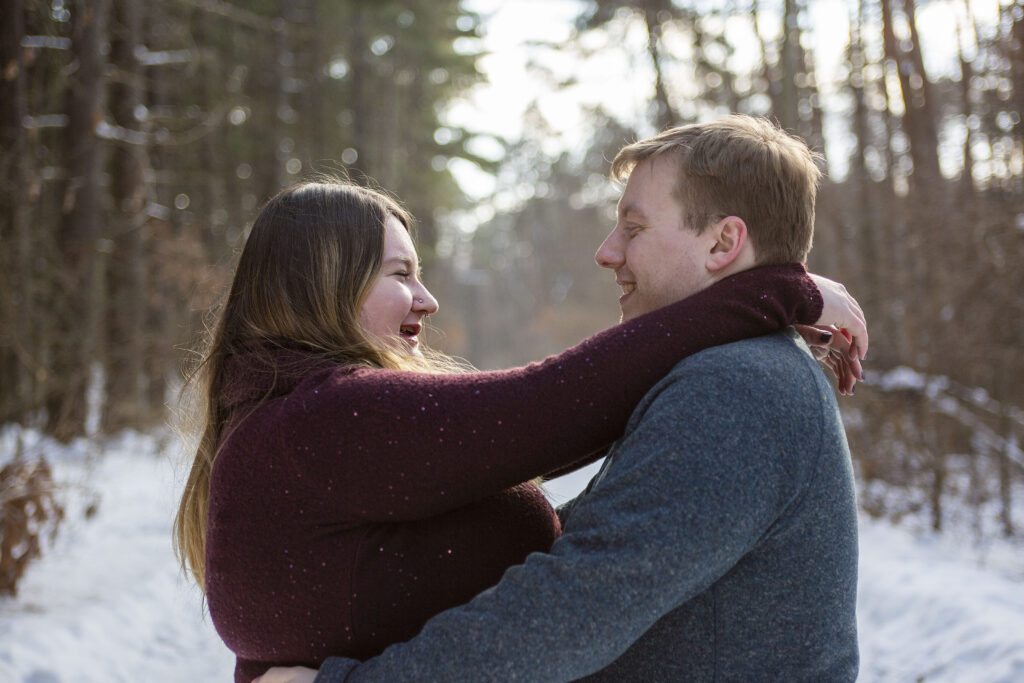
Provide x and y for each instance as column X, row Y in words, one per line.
column 261, row 375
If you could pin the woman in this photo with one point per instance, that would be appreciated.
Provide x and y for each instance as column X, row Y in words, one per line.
column 347, row 485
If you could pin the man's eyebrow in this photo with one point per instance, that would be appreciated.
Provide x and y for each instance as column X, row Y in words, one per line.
column 632, row 210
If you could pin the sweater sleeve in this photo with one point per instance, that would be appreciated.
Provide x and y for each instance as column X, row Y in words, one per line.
column 407, row 445
column 677, row 506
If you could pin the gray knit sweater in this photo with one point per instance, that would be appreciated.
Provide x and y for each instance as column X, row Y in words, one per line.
column 718, row 543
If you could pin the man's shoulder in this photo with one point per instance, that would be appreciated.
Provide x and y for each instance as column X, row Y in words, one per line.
column 775, row 357
column 773, row 370
column 786, row 344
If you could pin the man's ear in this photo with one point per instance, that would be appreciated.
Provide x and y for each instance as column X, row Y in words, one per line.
column 730, row 238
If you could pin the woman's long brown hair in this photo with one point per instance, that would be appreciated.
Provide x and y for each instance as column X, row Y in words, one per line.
column 308, row 264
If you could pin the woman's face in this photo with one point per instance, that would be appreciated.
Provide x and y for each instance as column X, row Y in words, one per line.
column 397, row 303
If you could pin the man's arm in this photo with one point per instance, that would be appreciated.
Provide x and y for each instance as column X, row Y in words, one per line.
column 682, row 502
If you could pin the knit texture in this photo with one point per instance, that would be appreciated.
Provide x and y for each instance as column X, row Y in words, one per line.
column 718, row 543
column 348, row 505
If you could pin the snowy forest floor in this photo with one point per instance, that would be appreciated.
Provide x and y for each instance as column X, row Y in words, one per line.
column 107, row 602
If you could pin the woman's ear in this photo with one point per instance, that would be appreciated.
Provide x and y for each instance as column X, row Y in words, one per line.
column 730, row 240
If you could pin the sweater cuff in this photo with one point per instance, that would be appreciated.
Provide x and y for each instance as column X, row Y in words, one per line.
column 815, row 300
column 335, row 670
column 809, row 303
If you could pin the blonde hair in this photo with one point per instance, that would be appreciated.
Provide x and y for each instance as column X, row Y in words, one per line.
column 739, row 166
column 307, row 266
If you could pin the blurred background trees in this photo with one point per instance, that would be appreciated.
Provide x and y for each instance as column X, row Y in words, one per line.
column 138, row 140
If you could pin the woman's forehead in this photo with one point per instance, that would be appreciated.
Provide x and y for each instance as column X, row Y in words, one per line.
column 397, row 241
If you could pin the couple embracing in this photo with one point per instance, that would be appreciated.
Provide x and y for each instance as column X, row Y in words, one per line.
column 363, row 509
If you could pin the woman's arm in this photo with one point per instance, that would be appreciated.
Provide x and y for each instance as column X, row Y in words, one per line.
column 406, row 445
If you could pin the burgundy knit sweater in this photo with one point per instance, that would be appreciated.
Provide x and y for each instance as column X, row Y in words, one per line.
column 349, row 505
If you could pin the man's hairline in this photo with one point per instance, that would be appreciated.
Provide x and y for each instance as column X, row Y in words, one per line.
column 634, row 160
column 676, row 192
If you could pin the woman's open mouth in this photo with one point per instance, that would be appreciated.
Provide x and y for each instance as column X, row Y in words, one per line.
column 410, row 333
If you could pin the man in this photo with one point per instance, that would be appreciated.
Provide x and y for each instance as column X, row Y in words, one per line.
column 719, row 540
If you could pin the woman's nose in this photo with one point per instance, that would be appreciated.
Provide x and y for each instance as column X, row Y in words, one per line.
column 424, row 301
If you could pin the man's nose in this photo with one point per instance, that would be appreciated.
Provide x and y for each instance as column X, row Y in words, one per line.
column 609, row 254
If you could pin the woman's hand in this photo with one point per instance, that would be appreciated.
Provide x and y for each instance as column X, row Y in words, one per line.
column 843, row 312
column 287, row 674
column 834, row 347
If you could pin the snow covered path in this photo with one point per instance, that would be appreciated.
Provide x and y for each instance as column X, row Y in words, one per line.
column 927, row 613
column 107, row 603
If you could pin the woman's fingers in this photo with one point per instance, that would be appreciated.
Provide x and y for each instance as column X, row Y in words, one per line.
column 839, row 308
column 817, row 338
column 837, row 349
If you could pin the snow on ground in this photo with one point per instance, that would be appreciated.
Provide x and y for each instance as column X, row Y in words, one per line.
column 928, row 612
column 108, row 603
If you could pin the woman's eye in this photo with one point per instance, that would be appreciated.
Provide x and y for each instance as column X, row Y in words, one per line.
column 403, row 274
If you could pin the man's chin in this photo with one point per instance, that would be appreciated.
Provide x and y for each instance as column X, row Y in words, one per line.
column 628, row 312
column 635, row 309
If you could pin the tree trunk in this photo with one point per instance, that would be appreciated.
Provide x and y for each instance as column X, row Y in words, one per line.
column 915, row 88
column 75, row 336
column 211, row 195
column 1015, row 56
column 16, row 304
column 927, row 136
column 269, row 100
column 869, row 243
column 314, row 100
column 126, row 402
column 1003, row 385
column 158, row 320
column 966, row 76
column 666, row 116
column 787, row 104
column 362, row 96
column 858, row 168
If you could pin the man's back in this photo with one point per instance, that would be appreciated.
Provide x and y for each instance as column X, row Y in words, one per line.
column 718, row 542
column 765, row 495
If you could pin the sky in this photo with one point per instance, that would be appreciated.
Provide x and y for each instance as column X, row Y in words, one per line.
column 617, row 74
